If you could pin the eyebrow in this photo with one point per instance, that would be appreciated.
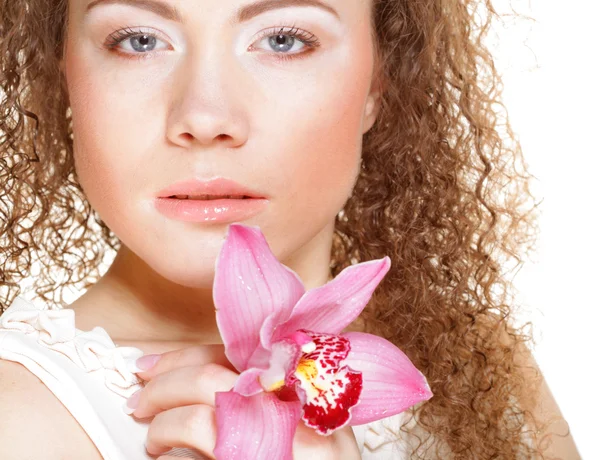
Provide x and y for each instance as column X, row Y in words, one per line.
column 244, row 14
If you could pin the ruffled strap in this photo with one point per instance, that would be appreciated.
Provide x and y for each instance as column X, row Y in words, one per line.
column 90, row 350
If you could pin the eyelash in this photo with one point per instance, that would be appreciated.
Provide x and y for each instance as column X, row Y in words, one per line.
column 306, row 38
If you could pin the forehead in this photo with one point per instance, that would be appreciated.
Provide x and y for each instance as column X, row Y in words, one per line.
column 244, row 10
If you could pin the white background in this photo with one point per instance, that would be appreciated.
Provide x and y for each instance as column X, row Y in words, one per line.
column 551, row 79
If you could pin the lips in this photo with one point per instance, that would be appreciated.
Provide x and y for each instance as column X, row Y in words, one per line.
column 216, row 201
column 210, row 197
column 214, row 189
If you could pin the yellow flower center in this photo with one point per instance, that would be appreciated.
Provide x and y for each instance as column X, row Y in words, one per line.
column 307, row 368
column 276, row 386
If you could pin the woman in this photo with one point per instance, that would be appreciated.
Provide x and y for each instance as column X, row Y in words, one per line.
column 359, row 128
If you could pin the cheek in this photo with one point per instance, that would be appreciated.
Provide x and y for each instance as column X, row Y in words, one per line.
column 316, row 158
column 324, row 141
column 112, row 142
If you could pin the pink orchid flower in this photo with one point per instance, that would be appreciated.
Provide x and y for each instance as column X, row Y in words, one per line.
column 294, row 362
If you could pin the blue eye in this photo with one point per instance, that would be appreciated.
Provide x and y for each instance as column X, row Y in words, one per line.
column 284, row 42
column 139, row 41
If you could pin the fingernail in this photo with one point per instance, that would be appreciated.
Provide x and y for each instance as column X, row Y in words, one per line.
column 131, row 403
column 146, row 362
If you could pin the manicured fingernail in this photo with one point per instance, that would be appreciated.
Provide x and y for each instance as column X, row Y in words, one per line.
column 131, row 403
column 146, row 362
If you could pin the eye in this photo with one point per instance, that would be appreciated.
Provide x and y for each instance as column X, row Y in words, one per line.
column 285, row 42
column 133, row 41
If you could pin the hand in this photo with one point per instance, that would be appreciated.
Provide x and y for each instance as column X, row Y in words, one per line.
column 180, row 395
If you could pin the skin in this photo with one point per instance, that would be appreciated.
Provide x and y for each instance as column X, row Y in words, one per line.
column 211, row 99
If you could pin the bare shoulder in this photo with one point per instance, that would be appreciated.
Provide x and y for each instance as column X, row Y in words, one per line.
column 545, row 408
column 34, row 423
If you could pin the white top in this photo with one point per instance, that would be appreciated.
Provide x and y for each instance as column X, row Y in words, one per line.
column 91, row 377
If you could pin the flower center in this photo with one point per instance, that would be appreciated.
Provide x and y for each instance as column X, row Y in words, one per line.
column 276, row 386
column 307, row 368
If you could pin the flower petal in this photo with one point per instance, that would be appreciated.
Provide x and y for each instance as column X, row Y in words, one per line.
column 250, row 284
column 327, row 390
column 260, row 427
column 391, row 383
column 333, row 306
column 247, row 384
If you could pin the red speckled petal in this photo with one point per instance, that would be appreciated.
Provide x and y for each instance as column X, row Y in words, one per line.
column 327, row 391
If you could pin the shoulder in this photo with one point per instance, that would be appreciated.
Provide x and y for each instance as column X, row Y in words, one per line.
column 34, row 423
column 541, row 403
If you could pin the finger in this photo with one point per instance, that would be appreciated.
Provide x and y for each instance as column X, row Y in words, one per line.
column 192, row 427
column 184, row 386
column 188, row 356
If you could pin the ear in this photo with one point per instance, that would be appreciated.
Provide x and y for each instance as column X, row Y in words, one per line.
column 371, row 110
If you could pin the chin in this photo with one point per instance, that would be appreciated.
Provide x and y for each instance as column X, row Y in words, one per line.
column 198, row 274
column 185, row 261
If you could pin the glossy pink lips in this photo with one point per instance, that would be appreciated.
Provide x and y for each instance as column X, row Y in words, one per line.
column 218, row 210
column 219, row 186
column 226, row 205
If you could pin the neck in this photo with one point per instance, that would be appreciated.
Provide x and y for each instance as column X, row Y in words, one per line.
column 134, row 304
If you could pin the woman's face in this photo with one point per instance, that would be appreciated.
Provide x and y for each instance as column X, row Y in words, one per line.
column 206, row 93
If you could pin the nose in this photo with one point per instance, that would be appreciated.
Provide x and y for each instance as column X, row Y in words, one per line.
column 206, row 105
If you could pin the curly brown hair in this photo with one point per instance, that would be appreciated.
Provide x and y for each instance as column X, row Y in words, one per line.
column 443, row 190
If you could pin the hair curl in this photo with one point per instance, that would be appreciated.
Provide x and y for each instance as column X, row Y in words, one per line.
column 443, row 190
